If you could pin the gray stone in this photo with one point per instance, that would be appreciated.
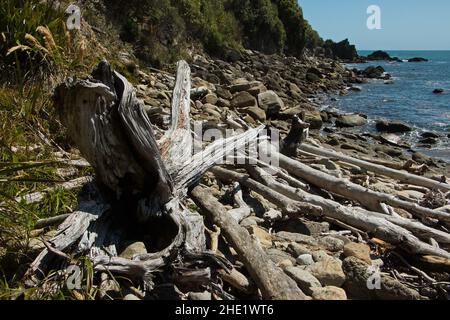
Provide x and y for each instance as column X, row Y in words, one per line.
column 296, row 237
column 242, row 100
column 305, row 280
column 297, row 249
column 136, row 248
column 270, row 102
column 350, row 120
column 255, row 112
column 210, row 98
column 305, row 260
column 331, row 243
column 278, row 256
column 244, row 85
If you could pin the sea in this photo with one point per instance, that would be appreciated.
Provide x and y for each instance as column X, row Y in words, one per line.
column 409, row 98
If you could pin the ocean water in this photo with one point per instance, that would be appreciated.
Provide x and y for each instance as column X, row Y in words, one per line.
column 409, row 99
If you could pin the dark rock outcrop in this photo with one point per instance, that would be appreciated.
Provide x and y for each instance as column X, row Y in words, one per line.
column 417, row 59
column 392, row 126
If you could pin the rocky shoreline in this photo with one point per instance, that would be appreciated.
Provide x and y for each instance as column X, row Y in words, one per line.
column 328, row 255
column 327, row 262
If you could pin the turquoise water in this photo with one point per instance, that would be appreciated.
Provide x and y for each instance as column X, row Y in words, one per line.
column 410, row 99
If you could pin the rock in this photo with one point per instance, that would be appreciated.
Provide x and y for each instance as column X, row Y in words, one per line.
column 224, row 93
column 200, row 296
column 251, row 221
column 305, row 260
column 270, row 102
column 295, row 91
column 131, row 297
column 320, row 255
column 136, row 248
column 350, row 120
column 379, row 55
column 285, row 264
column 430, row 135
column 255, row 112
column 438, row 91
column 373, row 72
column 223, row 103
column 296, row 237
column 328, row 271
column 210, row 98
column 331, row 244
column 305, row 280
column 278, row 256
column 255, row 91
column 364, row 284
column 418, row 59
column 392, row 126
column 358, row 250
column 428, row 141
column 262, row 235
column 212, row 110
column 243, row 85
column 391, row 151
column 297, row 249
column 342, row 50
column 328, row 293
column 355, row 89
column 311, row 77
column 243, row 99
column 314, row 119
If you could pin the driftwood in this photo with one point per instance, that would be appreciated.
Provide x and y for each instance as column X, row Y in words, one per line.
column 141, row 181
column 370, row 199
column 291, row 208
column 271, row 280
column 399, row 175
column 376, row 225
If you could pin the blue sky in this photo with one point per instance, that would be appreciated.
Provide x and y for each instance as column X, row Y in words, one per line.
column 406, row 24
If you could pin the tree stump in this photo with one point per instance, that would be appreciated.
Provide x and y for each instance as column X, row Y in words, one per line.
column 139, row 185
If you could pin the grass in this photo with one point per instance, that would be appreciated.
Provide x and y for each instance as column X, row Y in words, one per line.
column 36, row 53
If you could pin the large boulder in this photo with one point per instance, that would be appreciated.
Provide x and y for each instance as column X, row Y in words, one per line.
column 329, row 293
column 243, row 99
column 270, row 102
column 314, row 119
column 305, row 280
column 392, row 126
column 374, row 72
column 350, row 121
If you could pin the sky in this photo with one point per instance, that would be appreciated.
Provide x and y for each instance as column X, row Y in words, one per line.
column 405, row 24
